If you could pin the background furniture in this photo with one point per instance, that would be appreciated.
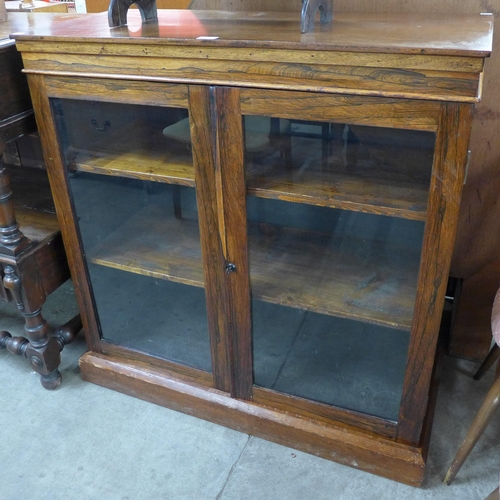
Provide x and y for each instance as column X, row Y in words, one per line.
column 94, row 6
column 488, row 408
column 32, row 258
column 36, row 6
column 248, row 293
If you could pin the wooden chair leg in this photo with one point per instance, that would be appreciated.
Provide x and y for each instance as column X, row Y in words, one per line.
column 493, row 355
column 476, row 429
column 494, row 495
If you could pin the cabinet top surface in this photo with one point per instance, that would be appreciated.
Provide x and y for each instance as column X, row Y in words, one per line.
column 467, row 35
column 7, row 27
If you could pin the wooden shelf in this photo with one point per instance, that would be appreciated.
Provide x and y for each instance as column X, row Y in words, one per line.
column 154, row 244
column 399, row 189
column 346, row 191
column 373, row 170
column 34, row 208
column 174, row 165
column 346, row 277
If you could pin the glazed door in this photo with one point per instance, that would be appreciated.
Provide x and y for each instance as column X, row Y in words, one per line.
column 128, row 163
column 346, row 253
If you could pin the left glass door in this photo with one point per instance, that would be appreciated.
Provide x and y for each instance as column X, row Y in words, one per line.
column 130, row 173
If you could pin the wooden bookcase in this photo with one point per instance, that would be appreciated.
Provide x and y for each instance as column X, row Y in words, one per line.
column 260, row 222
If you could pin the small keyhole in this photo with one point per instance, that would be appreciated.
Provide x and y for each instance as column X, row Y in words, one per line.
column 230, row 268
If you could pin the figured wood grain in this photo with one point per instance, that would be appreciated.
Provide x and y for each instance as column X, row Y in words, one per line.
column 348, row 446
column 373, row 111
column 444, row 202
column 64, row 209
column 117, row 91
column 476, row 246
column 390, row 82
column 216, row 291
column 264, row 54
column 231, row 198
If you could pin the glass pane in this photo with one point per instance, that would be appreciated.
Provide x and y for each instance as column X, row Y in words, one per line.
column 138, row 225
column 336, row 218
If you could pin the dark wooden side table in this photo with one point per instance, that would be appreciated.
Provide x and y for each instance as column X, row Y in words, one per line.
column 32, row 258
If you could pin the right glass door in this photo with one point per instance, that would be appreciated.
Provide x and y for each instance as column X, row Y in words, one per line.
column 335, row 215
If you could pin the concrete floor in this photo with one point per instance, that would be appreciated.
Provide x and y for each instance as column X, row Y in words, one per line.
column 84, row 442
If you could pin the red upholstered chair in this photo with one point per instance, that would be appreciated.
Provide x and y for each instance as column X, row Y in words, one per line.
column 489, row 405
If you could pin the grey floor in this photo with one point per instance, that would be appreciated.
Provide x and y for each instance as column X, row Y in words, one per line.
column 86, row 442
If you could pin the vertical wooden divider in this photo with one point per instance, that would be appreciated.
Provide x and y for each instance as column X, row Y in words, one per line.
column 450, row 158
column 232, row 212
column 217, row 138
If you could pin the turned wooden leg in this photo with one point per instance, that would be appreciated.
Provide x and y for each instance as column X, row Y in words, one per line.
column 476, row 429
column 44, row 353
column 493, row 355
column 12, row 240
column 38, row 348
column 15, row 345
column 68, row 332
